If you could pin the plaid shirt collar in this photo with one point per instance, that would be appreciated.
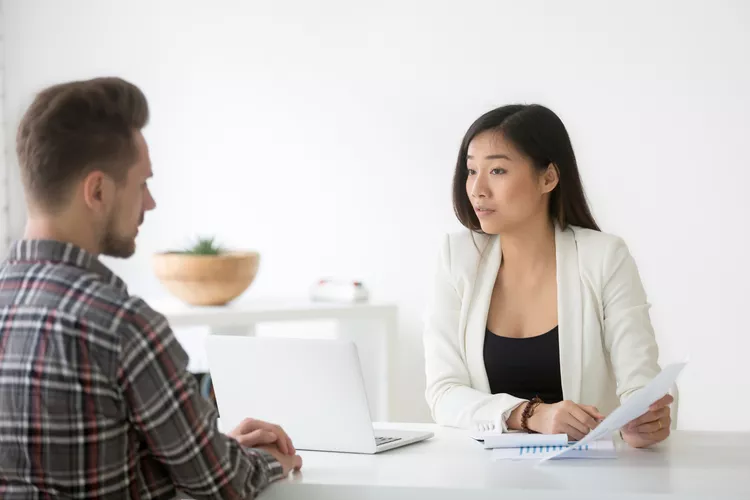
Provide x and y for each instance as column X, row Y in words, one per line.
column 59, row 252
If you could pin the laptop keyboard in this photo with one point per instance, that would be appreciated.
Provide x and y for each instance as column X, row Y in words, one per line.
column 381, row 440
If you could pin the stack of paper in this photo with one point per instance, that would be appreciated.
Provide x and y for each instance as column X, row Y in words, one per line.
column 522, row 439
column 604, row 448
column 634, row 407
column 597, row 444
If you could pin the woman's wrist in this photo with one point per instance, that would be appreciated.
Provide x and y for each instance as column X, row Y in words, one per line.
column 514, row 420
column 529, row 412
column 532, row 420
column 523, row 414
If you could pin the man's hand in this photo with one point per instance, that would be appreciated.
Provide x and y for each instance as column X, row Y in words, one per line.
column 253, row 433
column 565, row 417
column 288, row 462
column 652, row 427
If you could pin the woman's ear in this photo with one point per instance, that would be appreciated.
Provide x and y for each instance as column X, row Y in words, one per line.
column 550, row 178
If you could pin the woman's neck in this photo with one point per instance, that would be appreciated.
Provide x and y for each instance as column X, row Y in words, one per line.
column 529, row 247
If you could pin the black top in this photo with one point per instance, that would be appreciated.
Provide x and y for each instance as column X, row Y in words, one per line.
column 525, row 367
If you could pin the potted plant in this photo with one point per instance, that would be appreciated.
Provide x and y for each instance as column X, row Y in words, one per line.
column 205, row 274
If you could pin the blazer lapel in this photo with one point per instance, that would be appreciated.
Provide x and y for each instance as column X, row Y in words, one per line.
column 569, row 313
column 476, row 324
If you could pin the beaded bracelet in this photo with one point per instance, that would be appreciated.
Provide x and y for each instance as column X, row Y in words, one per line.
column 528, row 412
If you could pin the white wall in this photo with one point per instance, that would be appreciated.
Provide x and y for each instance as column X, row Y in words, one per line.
column 4, row 184
column 324, row 134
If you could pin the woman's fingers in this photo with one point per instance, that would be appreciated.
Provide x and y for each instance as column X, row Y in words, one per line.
column 661, row 403
column 593, row 411
column 584, row 418
column 574, row 434
column 576, row 424
column 648, row 417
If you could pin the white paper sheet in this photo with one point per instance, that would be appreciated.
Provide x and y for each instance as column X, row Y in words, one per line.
column 634, row 407
column 518, row 439
column 604, row 448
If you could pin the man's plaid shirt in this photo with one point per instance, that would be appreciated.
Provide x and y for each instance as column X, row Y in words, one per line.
column 95, row 396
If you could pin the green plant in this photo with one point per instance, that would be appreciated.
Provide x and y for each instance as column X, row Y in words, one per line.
column 204, row 246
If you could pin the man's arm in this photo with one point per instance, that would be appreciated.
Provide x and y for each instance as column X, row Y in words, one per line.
column 175, row 421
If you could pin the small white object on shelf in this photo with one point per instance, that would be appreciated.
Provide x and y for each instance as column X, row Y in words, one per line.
column 331, row 290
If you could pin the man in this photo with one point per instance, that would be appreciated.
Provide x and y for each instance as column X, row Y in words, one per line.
column 95, row 396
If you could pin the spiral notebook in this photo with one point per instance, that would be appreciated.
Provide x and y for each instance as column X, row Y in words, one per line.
column 523, row 439
column 603, row 448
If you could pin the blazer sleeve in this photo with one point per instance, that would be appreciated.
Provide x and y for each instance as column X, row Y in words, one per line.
column 628, row 334
column 449, row 392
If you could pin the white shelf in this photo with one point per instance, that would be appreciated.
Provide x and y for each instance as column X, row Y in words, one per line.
column 251, row 312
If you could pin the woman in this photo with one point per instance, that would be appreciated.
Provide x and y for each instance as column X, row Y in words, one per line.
column 539, row 321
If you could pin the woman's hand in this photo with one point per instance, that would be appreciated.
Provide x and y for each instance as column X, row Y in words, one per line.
column 652, row 427
column 565, row 417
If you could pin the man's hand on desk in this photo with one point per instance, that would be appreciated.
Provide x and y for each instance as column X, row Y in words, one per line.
column 252, row 433
column 652, row 427
column 288, row 462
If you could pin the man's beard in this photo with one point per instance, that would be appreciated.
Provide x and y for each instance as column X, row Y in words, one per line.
column 115, row 245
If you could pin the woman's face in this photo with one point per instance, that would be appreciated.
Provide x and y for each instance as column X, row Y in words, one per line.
column 503, row 185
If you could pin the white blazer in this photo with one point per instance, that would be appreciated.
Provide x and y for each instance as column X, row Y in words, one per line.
column 607, row 344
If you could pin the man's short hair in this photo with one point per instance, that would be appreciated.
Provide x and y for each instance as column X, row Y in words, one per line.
column 74, row 128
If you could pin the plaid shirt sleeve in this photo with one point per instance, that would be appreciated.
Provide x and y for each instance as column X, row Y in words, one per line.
column 177, row 424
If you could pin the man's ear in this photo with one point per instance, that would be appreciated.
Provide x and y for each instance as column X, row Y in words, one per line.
column 98, row 190
column 550, row 178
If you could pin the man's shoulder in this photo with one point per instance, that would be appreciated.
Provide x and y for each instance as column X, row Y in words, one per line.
column 139, row 314
column 100, row 303
column 92, row 299
column 139, row 328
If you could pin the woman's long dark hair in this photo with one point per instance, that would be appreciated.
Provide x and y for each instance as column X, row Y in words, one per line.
column 538, row 133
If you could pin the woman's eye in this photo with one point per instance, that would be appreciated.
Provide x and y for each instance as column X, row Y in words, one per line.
column 471, row 171
column 498, row 171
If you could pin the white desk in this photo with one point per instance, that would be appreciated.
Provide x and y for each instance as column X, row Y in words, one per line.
column 690, row 465
column 370, row 325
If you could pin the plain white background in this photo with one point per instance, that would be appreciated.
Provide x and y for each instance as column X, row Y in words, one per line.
column 324, row 135
column 4, row 185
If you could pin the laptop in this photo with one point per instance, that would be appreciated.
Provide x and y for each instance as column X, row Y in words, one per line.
column 313, row 388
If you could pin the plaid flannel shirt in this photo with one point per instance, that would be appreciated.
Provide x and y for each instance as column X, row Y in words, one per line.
column 95, row 396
